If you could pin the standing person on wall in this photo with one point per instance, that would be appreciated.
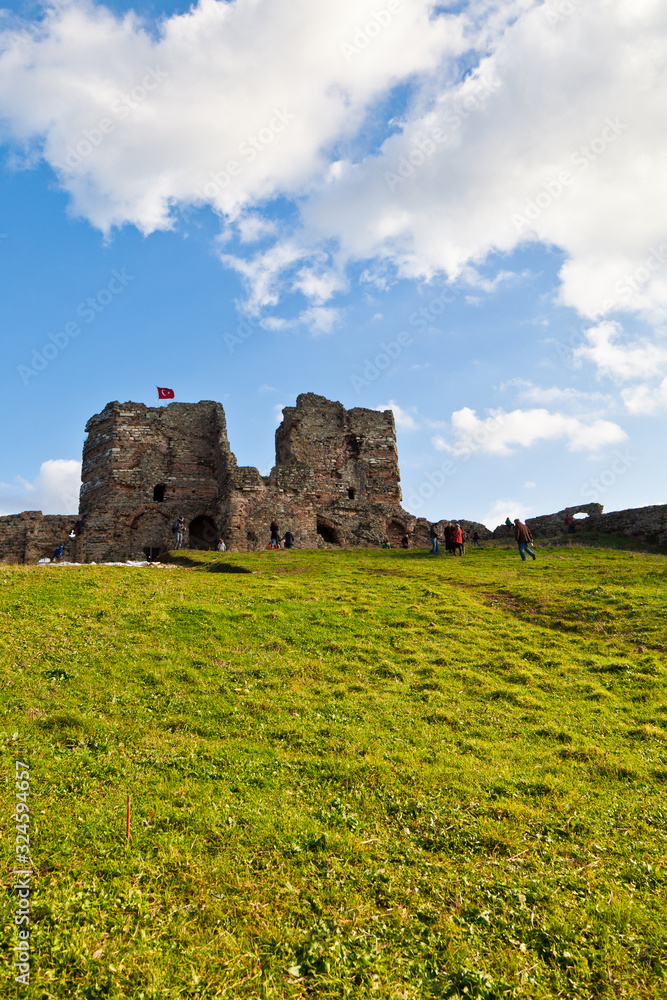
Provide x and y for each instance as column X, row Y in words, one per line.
column 178, row 529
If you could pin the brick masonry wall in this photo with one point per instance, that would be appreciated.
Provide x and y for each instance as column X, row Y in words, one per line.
column 31, row 536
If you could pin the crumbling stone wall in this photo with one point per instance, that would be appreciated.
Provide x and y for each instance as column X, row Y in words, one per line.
column 647, row 524
column 549, row 525
column 31, row 536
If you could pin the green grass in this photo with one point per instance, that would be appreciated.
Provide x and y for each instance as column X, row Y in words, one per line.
column 359, row 774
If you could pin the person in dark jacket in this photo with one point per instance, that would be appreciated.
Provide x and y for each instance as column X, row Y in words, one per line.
column 433, row 535
column 449, row 531
column 288, row 539
column 275, row 536
column 178, row 529
column 523, row 539
column 475, row 539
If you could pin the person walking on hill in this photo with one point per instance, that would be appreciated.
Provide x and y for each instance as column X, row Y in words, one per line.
column 178, row 529
column 275, row 536
column 433, row 535
column 475, row 539
column 523, row 538
column 448, row 537
column 457, row 540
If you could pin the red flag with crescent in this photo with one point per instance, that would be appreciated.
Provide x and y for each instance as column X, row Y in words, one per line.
column 164, row 393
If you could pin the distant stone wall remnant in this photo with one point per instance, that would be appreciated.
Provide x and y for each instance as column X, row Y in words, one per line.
column 646, row 524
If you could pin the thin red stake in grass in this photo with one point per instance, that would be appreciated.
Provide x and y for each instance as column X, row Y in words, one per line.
column 129, row 800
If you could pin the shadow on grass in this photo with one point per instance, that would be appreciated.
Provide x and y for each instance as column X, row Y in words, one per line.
column 203, row 563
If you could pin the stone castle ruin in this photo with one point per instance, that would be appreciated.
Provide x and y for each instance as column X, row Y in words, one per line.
column 335, row 483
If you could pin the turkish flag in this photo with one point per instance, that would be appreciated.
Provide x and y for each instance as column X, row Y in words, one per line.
column 164, row 393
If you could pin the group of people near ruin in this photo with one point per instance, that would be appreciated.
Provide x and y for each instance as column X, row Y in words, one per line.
column 287, row 540
column 455, row 539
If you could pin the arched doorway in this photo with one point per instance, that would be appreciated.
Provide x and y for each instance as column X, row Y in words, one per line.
column 395, row 532
column 203, row 533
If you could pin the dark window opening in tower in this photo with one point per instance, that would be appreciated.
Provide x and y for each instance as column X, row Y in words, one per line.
column 158, row 493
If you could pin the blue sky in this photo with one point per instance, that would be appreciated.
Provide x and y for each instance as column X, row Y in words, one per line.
column 456, row 211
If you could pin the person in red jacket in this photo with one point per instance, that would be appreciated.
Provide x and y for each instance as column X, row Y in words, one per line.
column 457, row 540
column 523, row 538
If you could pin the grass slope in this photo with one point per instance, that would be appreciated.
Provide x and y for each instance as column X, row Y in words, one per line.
column 354, row 774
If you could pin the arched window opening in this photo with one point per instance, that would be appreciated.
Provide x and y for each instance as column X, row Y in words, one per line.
column 351, row 493
column 327, row 533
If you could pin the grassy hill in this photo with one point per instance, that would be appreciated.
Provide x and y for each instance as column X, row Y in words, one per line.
column 353, row 774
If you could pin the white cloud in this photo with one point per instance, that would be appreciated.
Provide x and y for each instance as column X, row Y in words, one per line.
column 559, row 123
column 644, row 400
column 548, row 396
column 319, row 319
column 404, row 421
column 503, row 509
column 622, row 362
column 227, row 103
column 253, row 227
column 529, row 485
column 55, row 489
column 501, row 432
